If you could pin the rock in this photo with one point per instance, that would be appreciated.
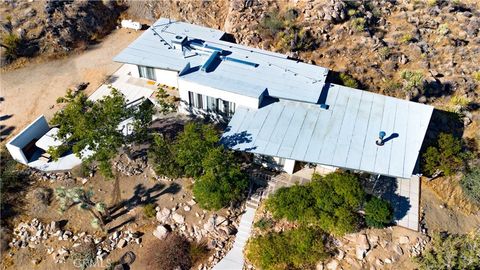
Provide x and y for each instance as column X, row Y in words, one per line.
column 122, row 243
column 402, row 240
column 191, row 202
column 163, row 215
column 341, row 254
column 187, row 208
column 160, row 232
column 398, row 250
column 319, row 266
column 332, row 265
column 362, row 246
column 178, row 218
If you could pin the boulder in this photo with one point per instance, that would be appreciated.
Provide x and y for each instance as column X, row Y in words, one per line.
column 332, row 265
column 362, row 246
column 402, row 240
column 178, row 218
column 160, row 232
column 122, row 243
column 163, row 215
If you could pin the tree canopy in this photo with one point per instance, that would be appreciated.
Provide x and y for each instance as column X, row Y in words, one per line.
column 330, row 202
column 222, row 182
column 87, row 125
column 445, row 156
column 378, row 213
column 299, row 248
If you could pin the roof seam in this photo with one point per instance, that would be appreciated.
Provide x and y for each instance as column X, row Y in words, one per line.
column 365, row 139
column 340, row 129
column 393, row 130
column 353, row 130
column 381, row 124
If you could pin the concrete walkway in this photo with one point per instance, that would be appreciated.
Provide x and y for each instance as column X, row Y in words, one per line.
column 234, row 259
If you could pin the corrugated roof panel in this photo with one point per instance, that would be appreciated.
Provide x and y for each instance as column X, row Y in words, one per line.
column 293, row 129
column 397, row 158
column 305, row 133
column 382, row 159
column 333, row 127
column 346, row 131
column 255, row 127
column 355, row 151
column 318, row 137
column 374, row 125
column 268, row 128
column 280, row 131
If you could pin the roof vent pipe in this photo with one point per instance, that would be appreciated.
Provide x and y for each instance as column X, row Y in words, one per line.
column 381, row 136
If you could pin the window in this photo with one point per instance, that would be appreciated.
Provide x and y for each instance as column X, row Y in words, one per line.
column 228, row 108
column 199, row 101
column 147, row 72
column 212, row 104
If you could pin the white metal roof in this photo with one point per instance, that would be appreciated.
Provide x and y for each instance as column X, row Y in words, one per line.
column 343, row 135
column 238, row 69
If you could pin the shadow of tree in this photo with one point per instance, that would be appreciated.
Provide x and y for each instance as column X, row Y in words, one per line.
column 141, row 197
column 385, row 187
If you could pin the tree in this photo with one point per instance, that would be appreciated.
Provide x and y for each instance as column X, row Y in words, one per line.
column 192, row 145
column 222, row 182
column 378, row 213
column 94, row 126
column 452, row 252
column 166, row 103
column 299, row 248
column 445, row 157
column 69, row 197
column 330, row 202
column 162, row 156
column 471, row 184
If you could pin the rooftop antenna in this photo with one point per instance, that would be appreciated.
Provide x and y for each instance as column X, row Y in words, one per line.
column 381, row 136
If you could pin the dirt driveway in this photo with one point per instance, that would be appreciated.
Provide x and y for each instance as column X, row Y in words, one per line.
column 28, row 92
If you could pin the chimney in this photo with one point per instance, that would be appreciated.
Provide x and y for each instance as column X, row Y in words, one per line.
column 381, row 136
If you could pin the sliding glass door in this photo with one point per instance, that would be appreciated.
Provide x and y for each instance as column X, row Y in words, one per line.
column 147, row 73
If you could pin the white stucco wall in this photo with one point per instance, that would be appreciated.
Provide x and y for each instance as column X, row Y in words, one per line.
column 239, row 100
column 167, row 77
column 289, row 166
column 35, row 130
column 132, row 70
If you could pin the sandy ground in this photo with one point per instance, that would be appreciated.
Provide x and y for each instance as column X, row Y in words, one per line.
column 30, row 91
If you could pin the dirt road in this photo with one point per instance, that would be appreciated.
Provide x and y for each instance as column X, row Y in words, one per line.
column 28, row 92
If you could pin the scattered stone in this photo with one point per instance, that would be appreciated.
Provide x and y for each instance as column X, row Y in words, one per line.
column 121, row 243
column 362, row 246
column 187, row 208
column 403, row 240
column 178, row 218
column 332, row 265
column 160, row 232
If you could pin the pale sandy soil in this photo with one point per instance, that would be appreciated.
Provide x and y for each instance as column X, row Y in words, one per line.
column 30, row 91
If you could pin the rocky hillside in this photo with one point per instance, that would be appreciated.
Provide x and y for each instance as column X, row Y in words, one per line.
column 52, row 28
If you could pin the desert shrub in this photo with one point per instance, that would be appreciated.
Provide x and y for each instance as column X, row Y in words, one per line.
column 348, row 80
column 149, row 210
column 11, row 43
column 392, row 87
column 329, row 202
column 384, row 53
column 223, row 181
column 443, row 29
column 378, row 213
column 84, row 255
column 452, row 252
column 406, row 38
column 476, row 76
column 273, row 22
column 162, row 156
column 43, row 195
column 198, row 252
column 431, row 3
column 471, row 184
column 444, row 157
column 299, row 248
column 412, row 79
column 358, row 24
column 263, row 224
column 169, row 254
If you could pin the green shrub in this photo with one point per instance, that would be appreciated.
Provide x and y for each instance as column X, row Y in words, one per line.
column 476, row 76
column 378, row 213
column 57, row 152
column 329, row 202
column 162, row 156
column 445, row 156
column 11, row 42
column 452, row 252
column 149, row 210
column 443, row 29
column 273, row 22
column 299, row 248
column 471, row 184
column 348, row 80
column 406, row 38
column 383, row 52
column 358, row 24
column 412, row 79
column 223, row 181
column 263, row 224
column 198, row 252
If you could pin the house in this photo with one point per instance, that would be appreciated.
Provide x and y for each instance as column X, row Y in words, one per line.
column 282, row 110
